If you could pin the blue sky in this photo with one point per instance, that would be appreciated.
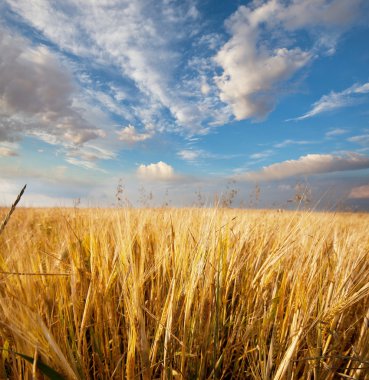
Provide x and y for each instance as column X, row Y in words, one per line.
column 177, row 98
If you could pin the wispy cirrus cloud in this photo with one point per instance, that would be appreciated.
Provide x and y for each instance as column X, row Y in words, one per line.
column 263, row 51
column 193, row 155
column 360, row 139
column 290, row 142
column 336, row 132
column 261, row 155
column 85, row 164
column 190, row 154
column 308, row 165
column 337, row 100
column 140, row 41
column 87, row 156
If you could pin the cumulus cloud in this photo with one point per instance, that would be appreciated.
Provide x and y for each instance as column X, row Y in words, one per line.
column 260, row 55
column 130, row 135
column 360, row 192
column 308, row 165
column 158, row 171
column 38, row 100
column 336, row 100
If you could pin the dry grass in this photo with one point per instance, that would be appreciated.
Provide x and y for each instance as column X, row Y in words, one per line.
column 185, row 293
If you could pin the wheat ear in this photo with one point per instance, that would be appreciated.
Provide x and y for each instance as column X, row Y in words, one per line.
column 6, row 220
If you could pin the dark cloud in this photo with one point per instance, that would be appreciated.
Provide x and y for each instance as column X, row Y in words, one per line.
column 36, row 95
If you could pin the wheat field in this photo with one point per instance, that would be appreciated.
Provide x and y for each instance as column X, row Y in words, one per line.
column 184, row 294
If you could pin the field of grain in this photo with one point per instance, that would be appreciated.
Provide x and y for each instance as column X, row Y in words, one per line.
column 184, row 293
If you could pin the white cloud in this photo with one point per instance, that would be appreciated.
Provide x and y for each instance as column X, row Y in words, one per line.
column 131, row 136
column 336, row 132
column 85, row 164
column 360, row 192
column 158, row 171
column 261, row 155
column 289, row 142
column 259, row 56
column 336, row 100
column 205, row 88
column 250, row 79
column 87, row 156
column 89, row 152
column 361, row 89
column 108, row 102
column 141, row 39
column 196, row 154
column 189, row 154
column 360, row 139
column 211, row 41
column 308, row 165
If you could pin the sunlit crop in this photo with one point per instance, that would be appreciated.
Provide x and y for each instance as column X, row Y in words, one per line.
column 184, row 293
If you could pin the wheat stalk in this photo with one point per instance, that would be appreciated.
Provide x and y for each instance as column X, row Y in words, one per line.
column 14, row 205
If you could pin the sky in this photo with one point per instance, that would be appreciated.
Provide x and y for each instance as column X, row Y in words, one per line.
column 263, row 103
